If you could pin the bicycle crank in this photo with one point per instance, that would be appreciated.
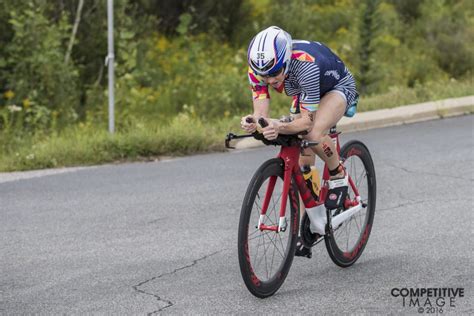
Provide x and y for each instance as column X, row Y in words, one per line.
column 307, row 237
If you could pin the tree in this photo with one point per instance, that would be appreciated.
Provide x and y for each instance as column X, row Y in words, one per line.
column 367, row 32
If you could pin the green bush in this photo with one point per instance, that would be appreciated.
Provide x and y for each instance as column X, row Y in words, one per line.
column 192, row 73
column 40, row 83
column 183, row 65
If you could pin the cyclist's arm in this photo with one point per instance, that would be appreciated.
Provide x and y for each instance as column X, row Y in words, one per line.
column 260, row 95
column 303, row 123
column 260, row 101
column 261, row 108
column 308, row 103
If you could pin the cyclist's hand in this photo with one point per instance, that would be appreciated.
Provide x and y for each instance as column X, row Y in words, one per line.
column 272, row 130
column 248, row 124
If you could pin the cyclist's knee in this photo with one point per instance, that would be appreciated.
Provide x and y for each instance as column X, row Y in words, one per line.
column 316, row 134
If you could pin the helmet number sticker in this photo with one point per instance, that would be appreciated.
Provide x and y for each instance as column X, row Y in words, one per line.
column 261, row 55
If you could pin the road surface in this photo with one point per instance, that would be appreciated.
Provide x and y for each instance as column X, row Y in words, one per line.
column 161, row 237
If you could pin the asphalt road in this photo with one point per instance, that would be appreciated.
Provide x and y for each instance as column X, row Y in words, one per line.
column 161, row 237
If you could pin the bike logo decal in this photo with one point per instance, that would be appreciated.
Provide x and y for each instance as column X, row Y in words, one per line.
column 333, row 73
column 332, row 196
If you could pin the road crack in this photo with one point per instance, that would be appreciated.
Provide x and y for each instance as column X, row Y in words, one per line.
column 425, row 172
column 168, row 303
column 400, row 205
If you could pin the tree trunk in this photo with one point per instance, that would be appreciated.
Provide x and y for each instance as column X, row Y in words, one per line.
column 74, row 31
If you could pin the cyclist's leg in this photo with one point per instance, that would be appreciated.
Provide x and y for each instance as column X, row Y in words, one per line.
column 307, row 158
column 331, row 109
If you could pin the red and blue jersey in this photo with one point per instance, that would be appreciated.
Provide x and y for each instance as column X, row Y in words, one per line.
column 313, row 71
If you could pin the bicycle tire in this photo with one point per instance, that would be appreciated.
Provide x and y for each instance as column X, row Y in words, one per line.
column 346, row 257
column 250, row 270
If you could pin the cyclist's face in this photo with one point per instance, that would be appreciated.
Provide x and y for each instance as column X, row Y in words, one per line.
column 275, row 81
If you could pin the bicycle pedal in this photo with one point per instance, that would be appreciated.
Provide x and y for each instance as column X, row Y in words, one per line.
column 304, row 252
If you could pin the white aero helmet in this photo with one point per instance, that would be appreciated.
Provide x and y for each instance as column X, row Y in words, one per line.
column 269, row 51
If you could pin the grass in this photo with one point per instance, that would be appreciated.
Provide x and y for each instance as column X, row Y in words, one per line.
column 89, row 146
column 183, row 135
column 431, row 91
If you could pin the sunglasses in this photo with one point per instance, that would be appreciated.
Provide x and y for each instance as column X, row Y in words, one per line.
column 275, row 73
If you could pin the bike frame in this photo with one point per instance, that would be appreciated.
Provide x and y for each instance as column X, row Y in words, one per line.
column 290, row 157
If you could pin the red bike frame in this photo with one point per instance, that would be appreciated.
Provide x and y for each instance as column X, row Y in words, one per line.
column 290, row 157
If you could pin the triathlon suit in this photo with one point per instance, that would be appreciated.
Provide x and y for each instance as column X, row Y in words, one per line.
column 314, row 70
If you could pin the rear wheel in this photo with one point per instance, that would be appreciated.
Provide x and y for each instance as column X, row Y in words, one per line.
column 346, row 242
column 265, row 257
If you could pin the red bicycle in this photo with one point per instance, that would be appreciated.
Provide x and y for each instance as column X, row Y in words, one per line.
column 269, row 219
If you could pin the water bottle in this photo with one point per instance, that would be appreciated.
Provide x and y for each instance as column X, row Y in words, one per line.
column 311, row 177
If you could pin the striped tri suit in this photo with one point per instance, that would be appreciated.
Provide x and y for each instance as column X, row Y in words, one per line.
column 314, row 70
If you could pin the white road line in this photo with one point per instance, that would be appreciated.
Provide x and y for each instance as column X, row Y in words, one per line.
column 22, row 175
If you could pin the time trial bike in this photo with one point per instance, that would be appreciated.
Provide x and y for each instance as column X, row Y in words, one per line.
column 270, row 221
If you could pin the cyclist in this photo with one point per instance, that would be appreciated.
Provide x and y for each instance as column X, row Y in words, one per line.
column 323, row 91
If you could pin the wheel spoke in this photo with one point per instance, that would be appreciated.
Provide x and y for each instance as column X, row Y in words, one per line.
column 257, row 263
column 354, row 218
column 273, row 254
column 347, row 235
column 265, row 253
column 362, row 177
column 355, row 167
column 274, row 243
column 259, row 209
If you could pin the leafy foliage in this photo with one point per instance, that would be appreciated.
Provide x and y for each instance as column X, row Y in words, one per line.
column 189, row 57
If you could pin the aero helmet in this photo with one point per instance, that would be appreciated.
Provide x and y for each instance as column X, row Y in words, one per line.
column 269, row 51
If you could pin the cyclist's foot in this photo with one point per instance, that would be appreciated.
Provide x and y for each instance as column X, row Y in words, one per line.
column 302, row 251
column 338, row 186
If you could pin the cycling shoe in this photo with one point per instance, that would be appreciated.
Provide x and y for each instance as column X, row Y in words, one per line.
column 302, row 251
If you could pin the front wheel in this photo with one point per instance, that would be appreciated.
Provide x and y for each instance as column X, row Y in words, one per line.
column 346, row 243
column 265, row 257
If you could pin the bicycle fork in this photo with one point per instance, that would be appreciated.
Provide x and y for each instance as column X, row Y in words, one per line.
column 266, row 202
column 289, row 155
column 282, row 222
